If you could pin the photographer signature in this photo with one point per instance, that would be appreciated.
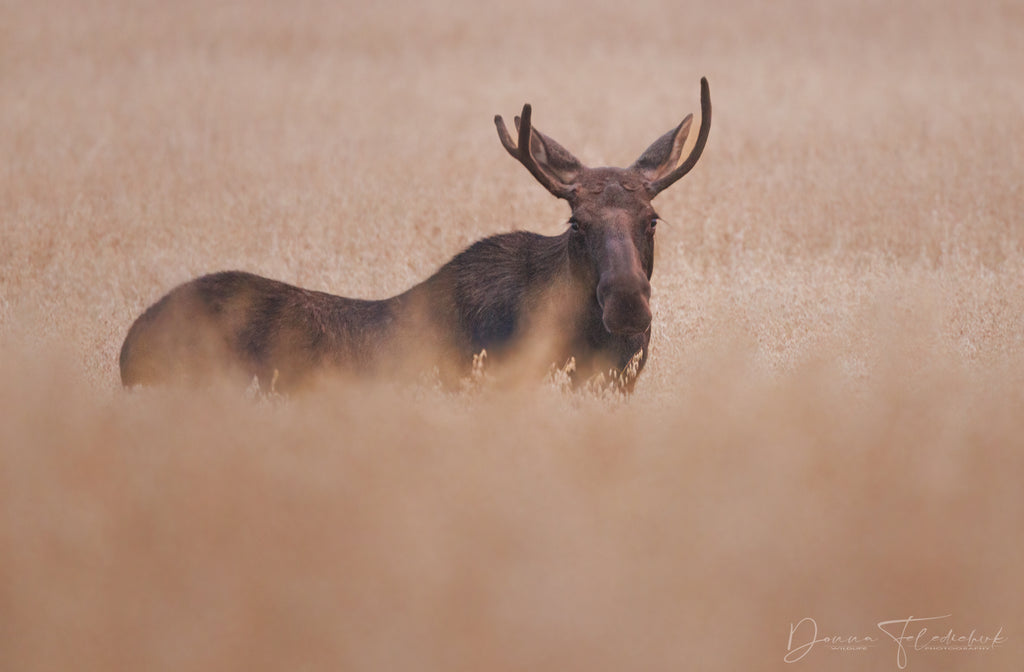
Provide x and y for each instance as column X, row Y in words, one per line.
column 908, row 634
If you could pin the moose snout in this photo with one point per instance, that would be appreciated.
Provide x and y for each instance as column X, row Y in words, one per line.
column 625, row 304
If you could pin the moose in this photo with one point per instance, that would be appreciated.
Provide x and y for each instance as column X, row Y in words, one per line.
column 523, row 297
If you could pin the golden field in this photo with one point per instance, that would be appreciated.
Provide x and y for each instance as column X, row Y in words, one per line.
column 828, row 426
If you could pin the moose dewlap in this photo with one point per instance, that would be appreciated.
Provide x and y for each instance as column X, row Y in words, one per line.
column 523, row 297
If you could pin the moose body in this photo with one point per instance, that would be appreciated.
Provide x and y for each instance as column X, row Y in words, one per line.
column 522, row 297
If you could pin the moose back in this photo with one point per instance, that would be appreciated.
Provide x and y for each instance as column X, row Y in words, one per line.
column 526, row 299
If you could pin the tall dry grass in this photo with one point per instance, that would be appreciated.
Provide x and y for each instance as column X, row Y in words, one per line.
column 828, row 426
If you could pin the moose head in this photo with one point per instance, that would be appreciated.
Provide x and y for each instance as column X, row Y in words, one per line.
column 611, row 237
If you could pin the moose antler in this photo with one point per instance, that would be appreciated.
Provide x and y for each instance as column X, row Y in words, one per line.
column 702, row 138
column 522, row 153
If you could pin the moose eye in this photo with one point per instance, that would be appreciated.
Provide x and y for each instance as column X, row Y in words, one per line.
column 654, row 223
column 574, row 224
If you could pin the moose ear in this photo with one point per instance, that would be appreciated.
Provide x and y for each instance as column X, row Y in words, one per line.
column 552, row 157
column 662, row 156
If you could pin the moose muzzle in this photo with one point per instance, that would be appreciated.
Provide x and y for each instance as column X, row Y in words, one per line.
column 625, row 303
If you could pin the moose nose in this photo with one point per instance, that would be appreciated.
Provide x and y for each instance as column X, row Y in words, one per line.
column 625, row 304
